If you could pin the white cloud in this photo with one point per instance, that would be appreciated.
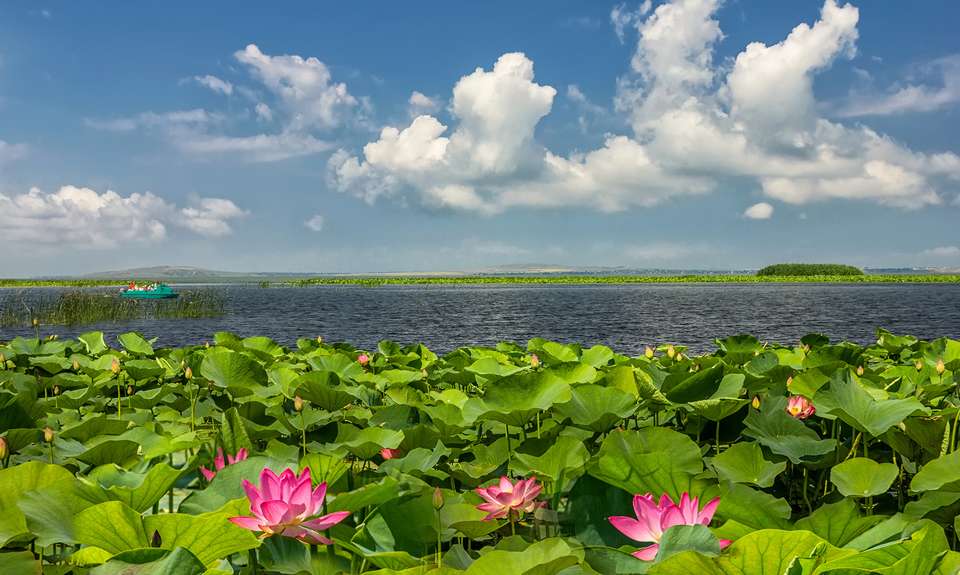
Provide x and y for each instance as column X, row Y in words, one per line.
column 215, row 84
column 420, row 103
column 210, row 216
column 303, row 86
column 10, row 152
column 178, row 119
column 942, row 252
column 256, row 148
column 622, row 18
column 315, row 223
column 760, row 211
column 85, row 218
column 264, row 113
column 941, row 92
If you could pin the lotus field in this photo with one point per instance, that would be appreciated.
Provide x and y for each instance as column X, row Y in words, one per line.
column 243, row 456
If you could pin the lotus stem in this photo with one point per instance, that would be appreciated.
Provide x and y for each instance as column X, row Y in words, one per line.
column 252, row 560
column 953, row 432
column 853, row 447
column 718, row 437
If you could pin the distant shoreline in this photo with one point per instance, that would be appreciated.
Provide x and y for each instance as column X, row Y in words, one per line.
column 559, row 279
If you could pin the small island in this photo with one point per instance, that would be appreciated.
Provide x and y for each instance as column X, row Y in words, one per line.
column 795, row 270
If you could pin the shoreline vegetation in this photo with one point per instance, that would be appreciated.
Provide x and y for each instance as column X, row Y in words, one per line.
column 558, row 279
column 542, row 457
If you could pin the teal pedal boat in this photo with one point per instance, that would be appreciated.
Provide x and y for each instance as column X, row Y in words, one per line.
column 148, row 291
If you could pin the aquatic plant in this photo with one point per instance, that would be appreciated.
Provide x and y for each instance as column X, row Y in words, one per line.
column 104, row 450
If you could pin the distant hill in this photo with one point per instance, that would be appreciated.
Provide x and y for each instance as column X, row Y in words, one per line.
column 187, row 273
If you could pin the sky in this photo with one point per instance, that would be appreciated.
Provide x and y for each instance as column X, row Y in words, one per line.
column 432, row 136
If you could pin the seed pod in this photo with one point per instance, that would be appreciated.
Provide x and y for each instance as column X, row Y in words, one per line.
column 438, row 499
column 298, row 404
column 940, row 367
column 48, row 434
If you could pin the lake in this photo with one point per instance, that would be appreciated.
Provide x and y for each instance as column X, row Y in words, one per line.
column 624, row 317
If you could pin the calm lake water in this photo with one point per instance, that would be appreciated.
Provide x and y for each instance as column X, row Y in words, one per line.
column 623, row 317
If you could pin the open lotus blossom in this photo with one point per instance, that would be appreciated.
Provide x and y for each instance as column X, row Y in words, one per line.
column 284, row 505
column 800, row 407
column 506, row 498
column 654, row 519
column 219, row 463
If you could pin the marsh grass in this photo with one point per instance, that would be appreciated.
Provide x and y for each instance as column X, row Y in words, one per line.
column 76, row 307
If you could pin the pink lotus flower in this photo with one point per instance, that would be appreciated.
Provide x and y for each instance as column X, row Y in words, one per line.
column 363, row 359
column 800, row 407
column 388, row 453
column 654, row 519
column 507, row 497
column 284, row 504
column 534, row 360
column 219, row 463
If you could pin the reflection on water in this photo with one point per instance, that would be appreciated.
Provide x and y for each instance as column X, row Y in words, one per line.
column 623, row 317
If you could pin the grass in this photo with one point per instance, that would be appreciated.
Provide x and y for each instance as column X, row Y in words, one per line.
column 626, row 279
column 810, row 270
column 76, row 307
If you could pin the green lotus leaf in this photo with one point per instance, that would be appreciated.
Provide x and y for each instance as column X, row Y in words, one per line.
column 750, row 507
column 919, row 554
column 16, row 481
column 141, row 369
column 861, row 409
column 232, row 370
column 344, row 367
column 680, row 538
column 744, row 463
column 597, row 407
column 839, row 523
column 20, row 563
column 485, row 460
column 782, row 434
column 151, row 561
column 316, row 387
column 515, row 400
column 50, row 510
column 739, row 349
column 228, row 484
column 112, row 526
column 138, row 490
column 764, row 552
column 135, row 343
column 862, row 477
column 651, row 460
column 597, row 356
column 683, row 386
column 488, row 366
column 367, row 442
column 210, row 536
column 565, row 460
column 51, row 364
column 940, row 472
column 93, row 342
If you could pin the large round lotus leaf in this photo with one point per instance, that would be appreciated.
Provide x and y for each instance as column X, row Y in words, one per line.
column 515, row 400
column 233, row 370
column 744, row 463
column 135, row 343
column 862, row 477
column 773, row 428
column 597, row 407
column 652, row 460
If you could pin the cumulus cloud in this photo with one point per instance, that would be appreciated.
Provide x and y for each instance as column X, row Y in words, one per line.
column 759, row 211
column 693, row 123
column 215, row 84
column 941, row 89
column 86, row 218
column 420, row 103
column 622, row 18
column 315, row 223
column 304, row 87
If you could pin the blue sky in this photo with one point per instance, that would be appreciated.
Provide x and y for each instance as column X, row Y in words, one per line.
column 370, row 136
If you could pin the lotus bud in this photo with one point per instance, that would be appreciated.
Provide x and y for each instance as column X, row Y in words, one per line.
column 789, row 381
column 129, row 390
column 648, row 352
column 188, row 373
column 298, row 404
column 438, row 499
column 679, row 357
column 3, row 361
column 53, row 337
column 534, row 360
column 320, row 339
column 860, row 370
column 363, row 359
column 4, row 448
column 115, row 366
column 756, row 353
column 918, row 365
column 35, row 322
column 56, row 390
column 940, row 367
column 671, row 353
column 157, row 541
column 423, row 373
column 206, row 344
column 76, row 365
column 48, row 434
column 756, row 402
